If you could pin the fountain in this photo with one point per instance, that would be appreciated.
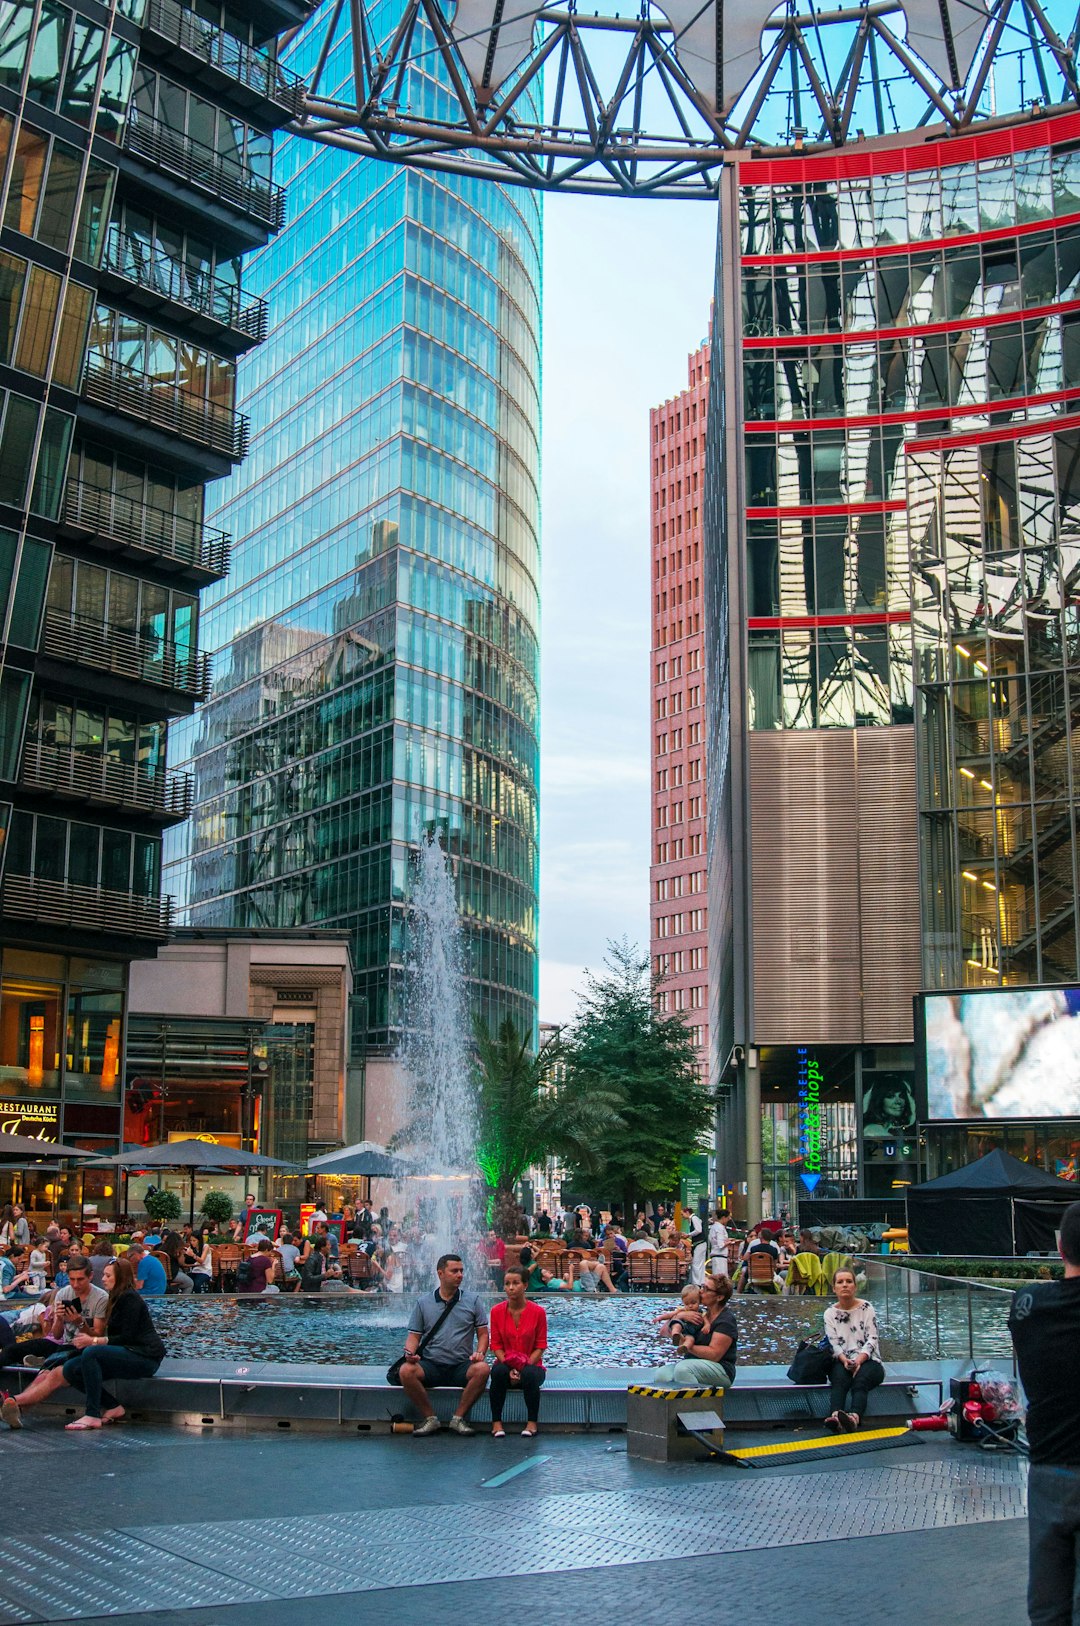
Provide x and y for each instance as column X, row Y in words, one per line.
column 440, row 1136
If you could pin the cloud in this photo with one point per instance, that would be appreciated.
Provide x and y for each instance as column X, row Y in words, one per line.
column 560, row 985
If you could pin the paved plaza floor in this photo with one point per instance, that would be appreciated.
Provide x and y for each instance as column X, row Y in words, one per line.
column 171, row 1527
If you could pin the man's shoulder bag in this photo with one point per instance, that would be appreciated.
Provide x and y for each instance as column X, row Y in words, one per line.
column 393, row 1371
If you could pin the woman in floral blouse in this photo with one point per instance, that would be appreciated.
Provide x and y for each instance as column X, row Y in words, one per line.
column 851, row 1327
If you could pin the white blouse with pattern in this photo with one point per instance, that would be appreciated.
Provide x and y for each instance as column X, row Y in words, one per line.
column 853, row 1332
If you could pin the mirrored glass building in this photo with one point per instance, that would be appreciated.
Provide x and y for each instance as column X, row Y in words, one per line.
column 375, row 647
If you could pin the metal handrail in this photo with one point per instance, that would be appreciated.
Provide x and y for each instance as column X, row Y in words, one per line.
column 86, row 908
column 148, row 267
column 138, row 524
column 230, row 182
column 255, row 69
column 98, row 778
column 106, row 647
column 140, row 395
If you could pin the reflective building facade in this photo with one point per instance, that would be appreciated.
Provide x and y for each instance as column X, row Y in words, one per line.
column 893, row 513
column 135, row 166
column 375, row 647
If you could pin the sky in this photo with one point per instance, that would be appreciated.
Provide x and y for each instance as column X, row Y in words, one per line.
column 627, row 286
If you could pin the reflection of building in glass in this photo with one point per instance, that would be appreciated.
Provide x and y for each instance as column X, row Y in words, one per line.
column 892, row 584
column 678, row 934
column 376, row 644
column 135, row 172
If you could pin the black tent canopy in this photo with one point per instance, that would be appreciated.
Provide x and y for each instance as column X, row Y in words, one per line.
column 996, row 1205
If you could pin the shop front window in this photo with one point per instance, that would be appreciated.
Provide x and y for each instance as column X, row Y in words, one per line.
column 92, row 1060
column 29, row 1037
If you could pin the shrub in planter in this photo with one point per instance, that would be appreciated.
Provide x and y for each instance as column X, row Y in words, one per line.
column 164, row 1205
column 218, row 1207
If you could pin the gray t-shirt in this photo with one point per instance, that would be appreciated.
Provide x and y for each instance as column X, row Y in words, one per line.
column 94, row 1304
column 456, row 1338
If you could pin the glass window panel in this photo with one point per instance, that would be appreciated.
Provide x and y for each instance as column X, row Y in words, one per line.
column 61, row 584
column 997, row 201
column 16, row 21
column 61, row 191
column 90, row 589
column 50, row 849
column 16, row 448
column 116, row 860
column 27, row 177
column 89, row 730
column 124, row 603
column 12, row 282
column 1005, row 369
column 29, row 601
column 116, row 81
column 45, row 64
column 14, row 704
column 1034, row 190
column 71, row 340
column 798, row 695
column 1065, row 168
column 94, row 214
column 146, row 865
column 83, row 856
column 764, row 680
column 29, row 1032
column 52, row 463
column 80, row 81
column 92, row 1049
column 120, row 746
column 38, row 321
column 959, row 200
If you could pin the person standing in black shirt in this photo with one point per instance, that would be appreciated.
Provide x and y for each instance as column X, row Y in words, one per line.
column 1045, row 1327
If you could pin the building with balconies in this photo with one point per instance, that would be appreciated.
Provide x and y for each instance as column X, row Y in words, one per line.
column 135, row 173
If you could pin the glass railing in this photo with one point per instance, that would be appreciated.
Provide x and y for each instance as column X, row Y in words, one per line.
column 213, row 297
column 253, row 69
column 930, row 1317
column 152, row 400
column 235, row 184
column 138, row 525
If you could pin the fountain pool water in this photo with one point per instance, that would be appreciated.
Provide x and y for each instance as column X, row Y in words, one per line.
column 584, row 1330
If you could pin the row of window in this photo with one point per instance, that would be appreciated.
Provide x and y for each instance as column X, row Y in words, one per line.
column 83, row 855
column 116, row 735
column 43, row 198
column 826, row 566
column 908, row 290
column 944, row 370
column 90, row 593
column 679, row 925
column 831, row 677
column 672, row 813
column 129, row 480
column 678, row 886
column 62, row 59
column 672, row 852
column 176, row 261
column 916, row 207
column 183, row 113
column 798, row 469
column 37, row 312
column 679, row 961
column 1010, row 493
column 168, row 362
column 34, row 444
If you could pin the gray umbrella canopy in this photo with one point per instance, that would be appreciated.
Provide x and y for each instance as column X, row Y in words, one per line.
column 21, row 1146
column 365, row 1158
column 191, row 1154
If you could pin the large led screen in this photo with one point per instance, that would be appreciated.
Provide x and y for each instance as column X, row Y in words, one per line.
column 1000, row 1053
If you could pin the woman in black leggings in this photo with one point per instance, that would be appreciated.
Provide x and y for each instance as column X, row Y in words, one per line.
column 852, row 1330
column 518, row 1342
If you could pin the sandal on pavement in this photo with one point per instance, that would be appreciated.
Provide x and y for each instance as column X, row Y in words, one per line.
column 116, row 1415
column 529, row 1433
column 854, row 1421
column 82, row 1423
column 498, row 1433
column 10, row 1413
column 833, row 1422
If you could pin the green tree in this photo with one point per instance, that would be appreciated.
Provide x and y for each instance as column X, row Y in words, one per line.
column 163, row 1205
column 528, row 1112
column 623, row 1044
column 218, row 1207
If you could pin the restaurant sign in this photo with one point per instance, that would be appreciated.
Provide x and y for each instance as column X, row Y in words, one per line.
column 37, row 1120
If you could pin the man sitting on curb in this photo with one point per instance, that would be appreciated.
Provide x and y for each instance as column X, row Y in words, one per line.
column 447, row 1358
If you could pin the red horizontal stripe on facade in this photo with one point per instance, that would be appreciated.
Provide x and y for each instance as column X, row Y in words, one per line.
column 882, row 251
column 980, row 409
column 823, row 510
column 987, row 437
column 802, row 623
column 816, row 341
column 863, row 160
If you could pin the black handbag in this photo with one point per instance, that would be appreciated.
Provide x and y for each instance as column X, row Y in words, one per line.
column 812, row 1363
column 393, row 1371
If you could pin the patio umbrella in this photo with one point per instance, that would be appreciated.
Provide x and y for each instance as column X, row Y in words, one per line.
column 365, row 1158
column 23, row 1146
column 193, row 1155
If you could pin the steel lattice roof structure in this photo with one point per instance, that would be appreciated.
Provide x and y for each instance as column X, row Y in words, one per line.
column 650, row 103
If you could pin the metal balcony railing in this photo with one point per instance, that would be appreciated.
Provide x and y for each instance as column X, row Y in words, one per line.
column 105, row 647
column 86, row 908
column 219, row 301
column 165, row 405
column 231, row 183
column 255, row 70
column 83, row 777
column 138, row 525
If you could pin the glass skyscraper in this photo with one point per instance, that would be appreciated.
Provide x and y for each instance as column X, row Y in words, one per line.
column 375, row 647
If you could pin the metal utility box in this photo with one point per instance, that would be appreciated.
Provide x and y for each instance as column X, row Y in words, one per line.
column 654, row 1430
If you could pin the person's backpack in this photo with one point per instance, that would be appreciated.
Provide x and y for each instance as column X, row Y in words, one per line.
column 243, row 1273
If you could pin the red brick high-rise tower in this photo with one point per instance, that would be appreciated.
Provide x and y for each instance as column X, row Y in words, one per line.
column 678, row 926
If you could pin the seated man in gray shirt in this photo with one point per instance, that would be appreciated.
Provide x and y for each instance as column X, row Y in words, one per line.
column 447, row 1358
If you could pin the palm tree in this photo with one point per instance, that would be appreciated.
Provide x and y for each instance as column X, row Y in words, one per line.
column 529, row 1112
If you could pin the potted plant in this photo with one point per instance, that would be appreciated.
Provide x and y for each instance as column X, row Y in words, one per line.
column 163, row 1205
column 218, row 1208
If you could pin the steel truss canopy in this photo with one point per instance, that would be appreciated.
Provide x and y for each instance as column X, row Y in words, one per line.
column 649, row 103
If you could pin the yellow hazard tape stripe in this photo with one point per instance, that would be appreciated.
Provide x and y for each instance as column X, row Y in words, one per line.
column 675, row 1394
column 785, row 1446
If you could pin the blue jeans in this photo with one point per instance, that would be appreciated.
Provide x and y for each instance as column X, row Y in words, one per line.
column 91, row 1366
column 1053, row 1545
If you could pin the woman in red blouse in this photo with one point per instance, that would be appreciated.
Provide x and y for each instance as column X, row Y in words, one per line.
column 518, row 1342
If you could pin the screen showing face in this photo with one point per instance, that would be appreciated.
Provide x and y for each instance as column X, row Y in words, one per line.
column 888, row 1105
column 1003, row 1053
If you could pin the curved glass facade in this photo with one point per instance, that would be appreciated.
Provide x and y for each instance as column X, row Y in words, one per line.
column 375, row 647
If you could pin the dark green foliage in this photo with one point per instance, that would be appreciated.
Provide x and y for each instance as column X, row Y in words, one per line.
column 164, row 1205
column 217, row 1206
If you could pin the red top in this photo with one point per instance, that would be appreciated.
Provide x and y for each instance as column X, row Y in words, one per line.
column 496, row 1251
column 524, row 1339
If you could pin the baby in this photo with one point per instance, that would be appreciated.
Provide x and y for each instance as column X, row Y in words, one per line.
column 688, row 1319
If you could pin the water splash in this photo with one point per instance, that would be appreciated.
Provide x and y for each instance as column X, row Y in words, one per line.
column 443, row 1128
